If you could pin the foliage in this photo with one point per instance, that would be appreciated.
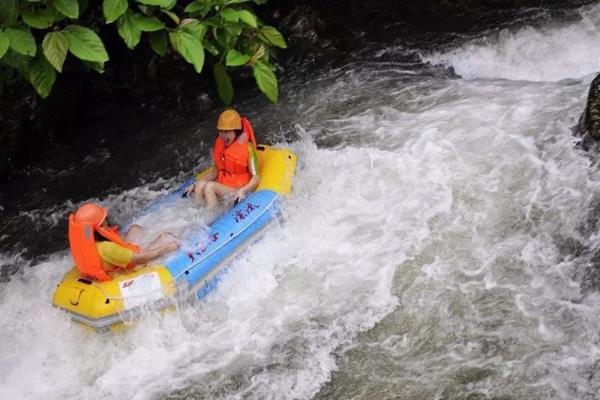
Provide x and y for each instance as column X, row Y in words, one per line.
column 37, row 36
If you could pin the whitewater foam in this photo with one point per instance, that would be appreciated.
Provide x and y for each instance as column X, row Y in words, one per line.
column 548, row 53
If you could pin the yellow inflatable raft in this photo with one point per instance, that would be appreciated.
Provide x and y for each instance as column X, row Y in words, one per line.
column 104, row 305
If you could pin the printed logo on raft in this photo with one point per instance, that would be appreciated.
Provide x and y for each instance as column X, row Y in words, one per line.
column 213, row 237
column 141, row 289
column 240, row 215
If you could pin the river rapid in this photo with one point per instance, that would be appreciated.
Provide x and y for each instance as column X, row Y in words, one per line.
column 440, row 242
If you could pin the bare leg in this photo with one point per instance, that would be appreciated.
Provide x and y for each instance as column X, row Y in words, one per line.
column 199, row 191
column 213, row 191
column 161, row 240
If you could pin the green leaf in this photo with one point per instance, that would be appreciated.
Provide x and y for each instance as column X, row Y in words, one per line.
column 160, row 3
column 18, row 62
column 230, row 15
column 55, row 47
column 172, row 15
column 70, row 8
column 224, row 85
column 113, row 9
column 41, row 76
column 4, row 43
column 21, row 41
column 190, row 47
column 210, row 47
column 85, row 44
column 96, row 66
column 40, row 18
column 194, row 27
column 198, row 8
column 259, row 52
column 158, row 42
column 9, row 10
column 235, row 58
column 273, row 36
column 248, row 18
column 227, row 36
column 148, row 24
column 234, row 29
column 265, row 79
column 128, row 29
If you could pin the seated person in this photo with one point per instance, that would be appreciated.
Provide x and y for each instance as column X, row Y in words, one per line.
column 98, row 249
column 235, row 170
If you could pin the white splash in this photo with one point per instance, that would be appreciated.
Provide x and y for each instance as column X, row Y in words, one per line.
column 548, row 53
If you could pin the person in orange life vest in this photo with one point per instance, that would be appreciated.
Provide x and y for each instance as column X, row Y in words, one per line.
column 235, row 170
column 98, row 249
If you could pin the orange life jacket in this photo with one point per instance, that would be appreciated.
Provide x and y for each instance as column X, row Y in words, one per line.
column 232, row 160
column 84, row 250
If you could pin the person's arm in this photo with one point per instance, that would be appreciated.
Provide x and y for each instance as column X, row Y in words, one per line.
column 249, row 187
column 253, row 169
column 147, row 255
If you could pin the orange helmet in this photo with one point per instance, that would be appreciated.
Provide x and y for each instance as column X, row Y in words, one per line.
column 92, row 213
column 229, row 120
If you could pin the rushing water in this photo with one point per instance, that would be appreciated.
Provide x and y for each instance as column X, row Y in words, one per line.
column 437, row 244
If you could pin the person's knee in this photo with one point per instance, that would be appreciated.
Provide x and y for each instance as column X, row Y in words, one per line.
column 199, row 185
column 133, row 232
column 210, row 188
column 135, row 228
column 198, row 194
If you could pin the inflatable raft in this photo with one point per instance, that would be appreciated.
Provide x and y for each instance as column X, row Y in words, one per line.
column 188, row 272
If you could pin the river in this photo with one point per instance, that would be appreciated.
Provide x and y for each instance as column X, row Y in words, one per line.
column 440, row 241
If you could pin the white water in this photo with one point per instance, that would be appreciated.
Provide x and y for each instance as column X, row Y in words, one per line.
column 548, row 53
column 422, row 247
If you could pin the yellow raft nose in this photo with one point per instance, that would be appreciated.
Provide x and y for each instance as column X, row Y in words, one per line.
column 102, row 304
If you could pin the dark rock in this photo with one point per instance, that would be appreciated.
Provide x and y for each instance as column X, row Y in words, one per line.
column 589, row 123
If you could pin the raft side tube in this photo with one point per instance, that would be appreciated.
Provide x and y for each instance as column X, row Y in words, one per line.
column 224, row 235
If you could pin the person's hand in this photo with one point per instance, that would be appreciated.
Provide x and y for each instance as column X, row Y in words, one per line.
column 171, row 246
column 165, row 235
column 190, row 189
column 240, row 195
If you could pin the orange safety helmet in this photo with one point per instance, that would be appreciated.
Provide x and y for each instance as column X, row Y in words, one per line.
column 91, row 213
column 229, row 120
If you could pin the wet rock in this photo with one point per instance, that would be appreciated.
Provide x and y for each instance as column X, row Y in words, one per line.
column 589, row 123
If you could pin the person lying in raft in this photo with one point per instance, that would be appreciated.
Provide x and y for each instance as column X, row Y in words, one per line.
column 98, row 249
column 235, row 170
